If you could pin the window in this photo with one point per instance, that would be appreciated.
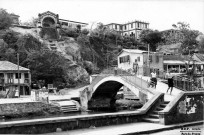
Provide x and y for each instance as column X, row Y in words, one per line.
column 10, row 75
column 121, row 27
column 26, row 75
column 131, row 25
column 17, row 76
column 1, row 75
column 138, row 59
column 124, row 59
column 145, row 25
column 125, row 27
column 64, row 23
column 138, row 24
column 157, row 58
column 150, row 58
column 116, row 27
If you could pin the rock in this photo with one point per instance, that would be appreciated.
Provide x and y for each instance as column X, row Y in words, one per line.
column 76, row 74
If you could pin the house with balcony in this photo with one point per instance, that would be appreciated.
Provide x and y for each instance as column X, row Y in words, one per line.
column 10, row 78
column 131, row 29
column 146, row 62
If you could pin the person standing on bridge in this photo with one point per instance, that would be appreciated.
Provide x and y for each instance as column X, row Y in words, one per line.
column 135, row 67
column 170, row 82
column 154, row 77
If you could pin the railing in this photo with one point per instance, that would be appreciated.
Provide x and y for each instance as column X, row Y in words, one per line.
column 183, row 83
column 26, row 81
column 10, row 81
column 186, row 107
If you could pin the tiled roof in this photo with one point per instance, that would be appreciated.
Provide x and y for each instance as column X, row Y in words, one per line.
column 200, row 56
column 171, row 46
column 173, row 57
column 131, row 51
column 8, row 66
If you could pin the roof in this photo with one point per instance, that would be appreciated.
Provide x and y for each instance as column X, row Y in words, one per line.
column 173, row 62
column 176, row 57
column 200, row 56
column 8, row 66
column 171, row 46
column 72, row 21
column 133, row 51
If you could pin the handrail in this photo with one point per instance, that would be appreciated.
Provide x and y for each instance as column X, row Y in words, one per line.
column 138, row 86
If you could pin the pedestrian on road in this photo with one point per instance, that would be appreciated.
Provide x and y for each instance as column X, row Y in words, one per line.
column 170, row 82
column 154, row 78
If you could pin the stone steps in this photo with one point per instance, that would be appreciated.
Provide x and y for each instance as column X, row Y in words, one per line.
column 153, row 117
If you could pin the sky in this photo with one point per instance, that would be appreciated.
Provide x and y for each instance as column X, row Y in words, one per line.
column 161, row 14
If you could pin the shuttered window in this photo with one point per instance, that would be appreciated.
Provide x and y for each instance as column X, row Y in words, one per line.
column 124, row 59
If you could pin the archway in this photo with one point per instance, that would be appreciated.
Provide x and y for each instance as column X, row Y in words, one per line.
column 48, row 22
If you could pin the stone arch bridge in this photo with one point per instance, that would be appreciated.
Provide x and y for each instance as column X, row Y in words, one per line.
column 105, row 87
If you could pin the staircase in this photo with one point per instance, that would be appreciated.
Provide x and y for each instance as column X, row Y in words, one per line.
column 153, row 117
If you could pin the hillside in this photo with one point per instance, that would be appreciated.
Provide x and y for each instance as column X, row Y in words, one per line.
column 62, row 55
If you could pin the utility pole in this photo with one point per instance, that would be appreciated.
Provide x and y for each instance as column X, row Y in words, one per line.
column 148, row 61
column 18, row 75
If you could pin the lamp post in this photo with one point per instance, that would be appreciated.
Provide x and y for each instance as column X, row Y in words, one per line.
column 148, row 61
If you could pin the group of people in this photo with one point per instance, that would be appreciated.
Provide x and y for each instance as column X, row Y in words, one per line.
column 153, row 80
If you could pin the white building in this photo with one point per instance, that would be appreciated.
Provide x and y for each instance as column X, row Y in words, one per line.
column 132, row 29
column 9, row 78
column 127, row 57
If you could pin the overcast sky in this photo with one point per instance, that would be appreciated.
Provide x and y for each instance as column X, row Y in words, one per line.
column 161, row 14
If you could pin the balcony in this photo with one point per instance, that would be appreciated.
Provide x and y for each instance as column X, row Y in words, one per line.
column 26, row 81
column 10, row 81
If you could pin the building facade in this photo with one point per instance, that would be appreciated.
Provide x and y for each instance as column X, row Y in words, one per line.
column 15, row 19
column 127, row 58
column 9, row 78
column 131, row 29
column 49, row 19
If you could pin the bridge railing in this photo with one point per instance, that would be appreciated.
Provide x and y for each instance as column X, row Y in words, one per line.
column 186, row 107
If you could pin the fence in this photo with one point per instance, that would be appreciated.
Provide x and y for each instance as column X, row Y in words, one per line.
column 183, row 83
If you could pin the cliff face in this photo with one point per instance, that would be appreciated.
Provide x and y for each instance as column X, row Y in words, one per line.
column 67, row 47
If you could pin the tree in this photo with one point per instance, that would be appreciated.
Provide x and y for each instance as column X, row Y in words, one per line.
column 32, row 22
column 46, row 65
column 5, row 19
column 151, row 37
column 200, row 40
column 187, row 37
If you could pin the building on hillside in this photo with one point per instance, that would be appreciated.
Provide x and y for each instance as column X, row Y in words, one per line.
column 172, row 49
column 180, row 63
column 49, row 19
column 9, row 78
column 131, row 29
column 175, row 63
column 127, row 57
column 15, row 19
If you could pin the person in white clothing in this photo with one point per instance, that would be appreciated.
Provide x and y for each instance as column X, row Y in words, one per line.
column 154, row 78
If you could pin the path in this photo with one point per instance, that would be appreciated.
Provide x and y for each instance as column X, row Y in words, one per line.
column 162, row 87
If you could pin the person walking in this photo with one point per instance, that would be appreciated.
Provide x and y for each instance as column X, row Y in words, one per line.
column 170, row 82
column 154, row 78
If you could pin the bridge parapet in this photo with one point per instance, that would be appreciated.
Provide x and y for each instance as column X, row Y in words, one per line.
column 105, row 87
column 186, row 107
